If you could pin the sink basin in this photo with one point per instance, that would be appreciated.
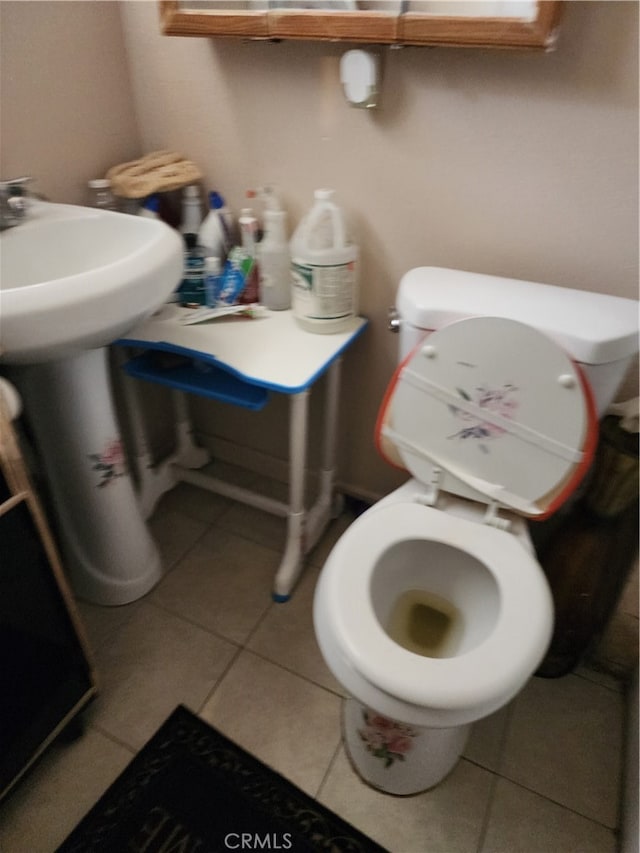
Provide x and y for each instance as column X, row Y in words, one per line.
column 74, row 278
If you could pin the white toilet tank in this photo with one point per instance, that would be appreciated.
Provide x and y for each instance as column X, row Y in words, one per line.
column 599, row 332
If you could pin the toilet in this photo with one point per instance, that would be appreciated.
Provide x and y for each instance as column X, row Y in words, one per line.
column 432, row 610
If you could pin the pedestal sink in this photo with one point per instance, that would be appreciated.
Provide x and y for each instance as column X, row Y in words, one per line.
column 72, row 280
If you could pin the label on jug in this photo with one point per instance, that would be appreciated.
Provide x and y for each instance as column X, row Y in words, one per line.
column 324, row 292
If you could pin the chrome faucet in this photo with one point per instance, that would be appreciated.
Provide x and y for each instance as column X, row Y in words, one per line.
column 14, row 201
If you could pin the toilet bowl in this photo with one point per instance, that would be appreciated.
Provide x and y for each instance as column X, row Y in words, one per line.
column 452, row 618
column 432, row 610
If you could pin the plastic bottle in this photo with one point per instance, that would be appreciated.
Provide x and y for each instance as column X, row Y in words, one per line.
column 212, row 280
column 100, row 194
column 214, row 235
column 324, row 269
column 248, row 223
column 248, row 231
column 191, row 292
column 150, row 207
column 250, row 204
column 191, row 210
column 226, row 218
column 274, row 262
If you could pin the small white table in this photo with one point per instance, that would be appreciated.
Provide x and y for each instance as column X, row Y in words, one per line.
column 240, row 361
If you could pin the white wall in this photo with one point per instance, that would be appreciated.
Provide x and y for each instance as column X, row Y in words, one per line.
column 510, row 163
column 67, row 109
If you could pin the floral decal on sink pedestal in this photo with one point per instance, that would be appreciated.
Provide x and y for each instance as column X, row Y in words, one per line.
column 110, row 463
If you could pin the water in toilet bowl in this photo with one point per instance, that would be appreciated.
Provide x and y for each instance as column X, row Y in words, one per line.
column 426, row 624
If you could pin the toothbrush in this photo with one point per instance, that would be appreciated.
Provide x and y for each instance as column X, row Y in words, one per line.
column 201, row 315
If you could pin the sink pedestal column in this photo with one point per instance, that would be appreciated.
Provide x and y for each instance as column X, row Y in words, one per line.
column 108, row 552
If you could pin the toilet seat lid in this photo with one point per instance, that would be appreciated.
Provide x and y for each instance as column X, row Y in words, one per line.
column 492, row 410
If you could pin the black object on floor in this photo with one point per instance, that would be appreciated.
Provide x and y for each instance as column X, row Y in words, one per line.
column 192, row 790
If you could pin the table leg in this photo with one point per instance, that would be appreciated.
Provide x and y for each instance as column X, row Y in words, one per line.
column 323, row 510
column 291, row 564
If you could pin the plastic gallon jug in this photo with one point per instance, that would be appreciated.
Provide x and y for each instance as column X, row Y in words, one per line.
column 323, row 263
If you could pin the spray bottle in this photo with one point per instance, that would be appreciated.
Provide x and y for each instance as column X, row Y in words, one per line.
column 214, row 234
column 151, row 207
column 274, row 258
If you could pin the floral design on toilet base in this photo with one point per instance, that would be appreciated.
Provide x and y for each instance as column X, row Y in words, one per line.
column 395, row 757
column 386, row 739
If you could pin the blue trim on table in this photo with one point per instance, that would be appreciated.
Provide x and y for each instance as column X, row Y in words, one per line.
column 200, row 378
column 198, row 355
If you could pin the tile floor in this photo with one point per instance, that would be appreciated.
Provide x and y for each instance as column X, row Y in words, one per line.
column 540, row 776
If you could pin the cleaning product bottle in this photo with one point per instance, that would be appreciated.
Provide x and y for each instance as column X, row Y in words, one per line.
column 274, row 258
column 212, row 280
column 214, row 235
column 150, row 207
column 248, row 223
column 191, row 292
column 323, row 264
column 226, row 218
column 191, row 210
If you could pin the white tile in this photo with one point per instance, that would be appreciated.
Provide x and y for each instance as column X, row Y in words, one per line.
column 101, row 623
column 447, row 819
column 202, row 504
column 592, row 672
column 486, row 741
column 282, row 719
column 335, row 529
column 617, row 650
column 175, row 533
column 58, row 791
column 564, row 741
column 270, row 530
column 523, row 822
column 256, row 524
column 223, row 584
column 155, row 662
column 286, row 635
column 196, row 503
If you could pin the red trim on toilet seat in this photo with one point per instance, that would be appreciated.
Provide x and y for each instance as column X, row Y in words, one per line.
column 381, row 420
column 588, row 451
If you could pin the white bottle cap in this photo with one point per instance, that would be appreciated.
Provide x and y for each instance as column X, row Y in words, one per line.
column 323, row 195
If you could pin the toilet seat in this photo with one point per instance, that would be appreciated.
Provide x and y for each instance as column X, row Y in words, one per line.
column 495, row 667
column 492, row 410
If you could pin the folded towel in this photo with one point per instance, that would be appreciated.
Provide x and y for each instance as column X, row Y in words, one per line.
column 160, row 171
